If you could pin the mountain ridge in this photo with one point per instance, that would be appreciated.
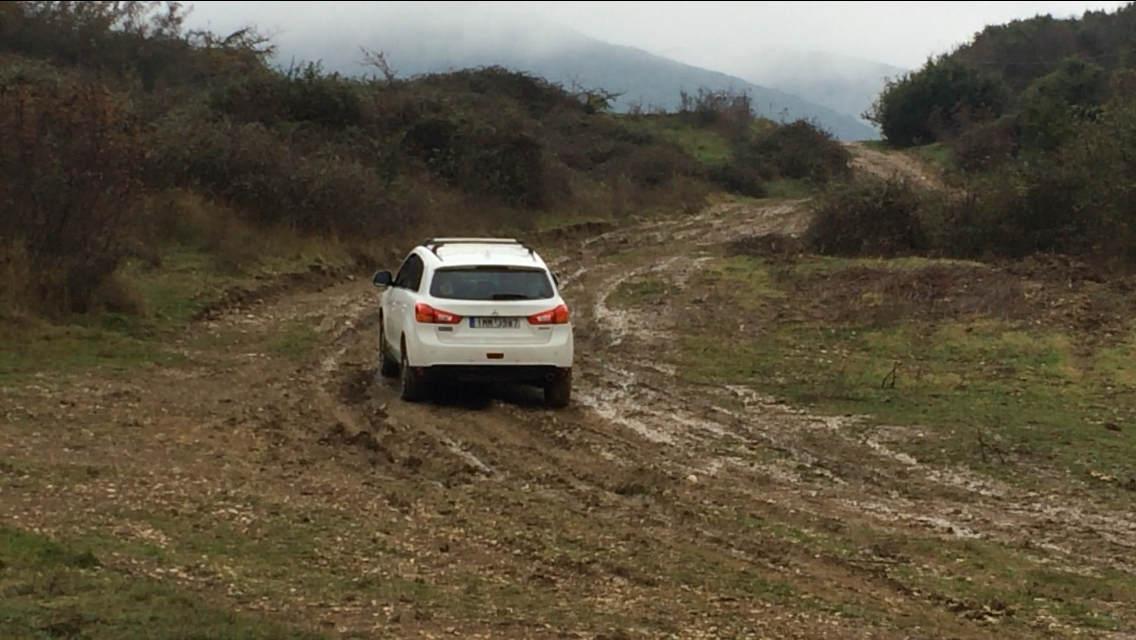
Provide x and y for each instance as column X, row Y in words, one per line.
column 638, row 76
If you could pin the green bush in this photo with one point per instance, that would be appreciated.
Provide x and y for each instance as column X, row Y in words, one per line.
column 926, row 105
column 1053, row 105
column 986, row 146
column 742, row 179
column 801, row 150
column 877, row 218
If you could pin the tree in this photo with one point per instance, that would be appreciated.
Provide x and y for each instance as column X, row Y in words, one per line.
column 923, row 106
column 1052, row 106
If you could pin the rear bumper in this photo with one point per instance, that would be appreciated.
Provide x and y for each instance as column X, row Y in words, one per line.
column 427, row 351
column 519, row 374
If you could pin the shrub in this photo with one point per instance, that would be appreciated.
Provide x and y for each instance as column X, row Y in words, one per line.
column 985, row 147
column 878, row 218
column 69, row 180
column 801, row 150
column 910, row 109
column 300, row 94
column 741, row 178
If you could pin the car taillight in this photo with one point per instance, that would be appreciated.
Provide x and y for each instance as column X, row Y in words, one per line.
column 559, row 315
column 426, row 314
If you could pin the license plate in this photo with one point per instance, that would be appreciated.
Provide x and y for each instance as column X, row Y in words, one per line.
column 495, row 323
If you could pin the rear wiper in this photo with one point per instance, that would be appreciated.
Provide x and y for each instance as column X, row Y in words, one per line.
column 510, row 296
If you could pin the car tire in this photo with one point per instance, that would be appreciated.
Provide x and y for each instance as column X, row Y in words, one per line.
column 558, row 393
column 388, row 368
column 411, row 388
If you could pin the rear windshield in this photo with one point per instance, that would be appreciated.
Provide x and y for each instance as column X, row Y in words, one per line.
column 491, row 283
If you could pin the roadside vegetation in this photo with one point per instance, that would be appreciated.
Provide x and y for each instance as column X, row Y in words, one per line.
column 151, row 170
column 1033, row 122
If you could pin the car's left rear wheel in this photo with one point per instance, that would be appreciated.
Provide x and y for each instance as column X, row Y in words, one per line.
column 412, row 386
column 558, row 393
column 388, row 368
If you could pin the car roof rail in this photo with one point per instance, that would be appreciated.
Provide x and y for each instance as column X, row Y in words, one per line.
column 433, row 244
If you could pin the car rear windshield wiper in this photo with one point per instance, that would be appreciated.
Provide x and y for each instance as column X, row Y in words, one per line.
column 510, row 296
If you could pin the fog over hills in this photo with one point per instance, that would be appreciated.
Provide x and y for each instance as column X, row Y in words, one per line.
column 413, row 46
column 845, row 84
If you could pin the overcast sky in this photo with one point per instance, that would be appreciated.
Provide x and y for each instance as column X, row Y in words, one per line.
column 708, row 34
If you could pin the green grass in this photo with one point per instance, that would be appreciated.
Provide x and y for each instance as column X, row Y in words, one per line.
column 974, row 573
column 295, row 341
column 169, row 295
column 637, row 292
column 1013, row 397
column 935, row 154
column 49, row 590
column 789, row 189
column 706, row 145
column 73, row 348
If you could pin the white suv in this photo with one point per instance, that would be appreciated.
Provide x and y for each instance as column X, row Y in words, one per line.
column 474, row 309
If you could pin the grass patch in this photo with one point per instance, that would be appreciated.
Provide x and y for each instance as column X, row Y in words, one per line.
column 706, row 145
column 69, row 349
column 789, row 189
column 170, row 294
column 936, row 154
column 295, row 341
column 639, row 292
column 973, row 578
column 948, row 345
column 48, row 590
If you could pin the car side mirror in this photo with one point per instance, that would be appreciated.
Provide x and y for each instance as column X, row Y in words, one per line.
column 382, row 279
column 556, row 280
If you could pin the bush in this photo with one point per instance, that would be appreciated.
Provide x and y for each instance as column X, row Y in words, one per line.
column 495, row 160
column 1053, row 105
column 741, row 178
column 301, row 94
column 801, row 150
column 70, row 169
column 877, row 218
column 728, row 111
column 917, row 108
column 986, row 146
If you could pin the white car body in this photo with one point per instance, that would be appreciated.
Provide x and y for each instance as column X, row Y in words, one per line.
column 475, row 309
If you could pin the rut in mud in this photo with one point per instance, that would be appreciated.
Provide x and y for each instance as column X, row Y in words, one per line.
column 651, row 508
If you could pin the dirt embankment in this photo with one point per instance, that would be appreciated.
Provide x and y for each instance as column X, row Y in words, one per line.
column 651, row 508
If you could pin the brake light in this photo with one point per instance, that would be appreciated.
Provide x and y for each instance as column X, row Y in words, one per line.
column 559, row 315
column 426, row 314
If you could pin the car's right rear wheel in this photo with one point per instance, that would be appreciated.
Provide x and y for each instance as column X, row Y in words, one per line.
column 558, row 393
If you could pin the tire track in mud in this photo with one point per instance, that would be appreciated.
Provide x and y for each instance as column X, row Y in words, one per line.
column 643, row 468
column 645, row 396
column 633, row 410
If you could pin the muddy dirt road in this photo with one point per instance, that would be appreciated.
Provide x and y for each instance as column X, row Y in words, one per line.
column 651, row 508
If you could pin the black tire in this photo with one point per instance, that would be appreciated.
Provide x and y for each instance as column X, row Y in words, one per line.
column 558, row 393
column 388, row 368
column 411, row 388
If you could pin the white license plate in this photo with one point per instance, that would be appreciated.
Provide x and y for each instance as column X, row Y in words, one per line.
column 495, row 323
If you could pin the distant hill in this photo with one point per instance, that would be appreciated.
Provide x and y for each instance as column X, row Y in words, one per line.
column 844, row 84
column 558, row 55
